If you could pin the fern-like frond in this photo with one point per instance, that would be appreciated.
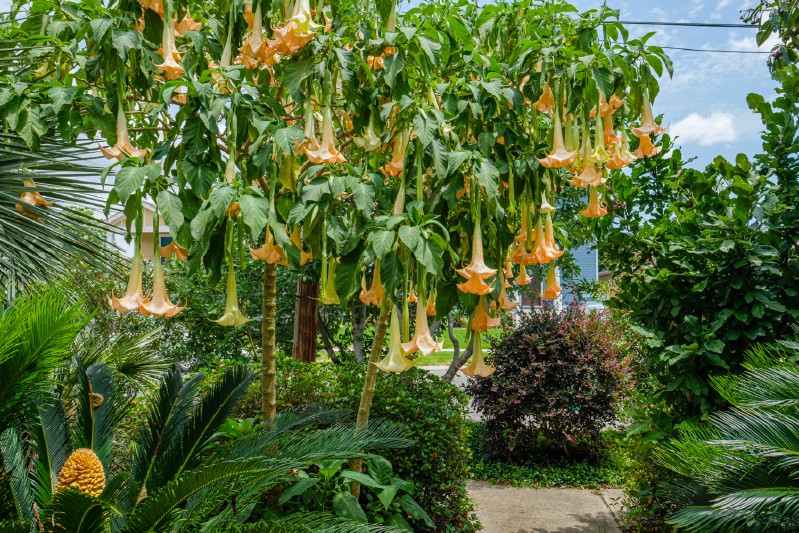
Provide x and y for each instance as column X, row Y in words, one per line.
column 73, row 511
column 13, row 462
column 95, row 425
column 51, row 445
column 315, row 522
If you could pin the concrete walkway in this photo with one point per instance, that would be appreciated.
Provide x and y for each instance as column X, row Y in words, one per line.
column 503, row 509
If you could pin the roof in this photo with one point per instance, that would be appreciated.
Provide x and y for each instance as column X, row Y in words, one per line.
column 120, row 215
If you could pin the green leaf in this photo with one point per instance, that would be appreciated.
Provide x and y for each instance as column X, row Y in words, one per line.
column 171, row 208
column 124, row 41
column 727, row 245
column 392, row 66
column 130, row 179
column 715, row 345
column 455, row 159
column 294, row 74
column 363, row 479
column 488, row 177
column 380, row 468
column 61, row 96
column 410, row 236
column 200, row 175
column 254, row 210
column 431, row 48
column 415, row 510
column 297, row 489
column 364, row 194
column 285, row 137
column 604, row 80
column 100, row 27
column 382, row 242
column 346, row 505
column 31, row 127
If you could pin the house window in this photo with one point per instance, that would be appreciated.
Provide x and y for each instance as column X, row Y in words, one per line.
column 166, row 241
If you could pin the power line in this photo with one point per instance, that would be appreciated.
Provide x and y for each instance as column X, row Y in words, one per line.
column 689, row 24
column 715, row 51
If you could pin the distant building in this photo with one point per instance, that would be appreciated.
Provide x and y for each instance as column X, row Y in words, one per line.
column 148, row 232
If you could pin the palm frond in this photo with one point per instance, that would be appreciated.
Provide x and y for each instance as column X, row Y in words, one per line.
column 762, row 433
column 95, row 425
column 51, row 446
column 73, row 511
column 13, row 462
column 315, row 522
column 767, row 510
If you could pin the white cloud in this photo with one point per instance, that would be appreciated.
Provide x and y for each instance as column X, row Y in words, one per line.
column 716, row 128
column 696, row 8
column 749, row 44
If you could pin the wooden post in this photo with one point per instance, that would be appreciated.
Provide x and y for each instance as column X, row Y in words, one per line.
column 305, row 316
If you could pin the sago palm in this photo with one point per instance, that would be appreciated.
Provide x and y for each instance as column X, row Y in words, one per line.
column 742, row 474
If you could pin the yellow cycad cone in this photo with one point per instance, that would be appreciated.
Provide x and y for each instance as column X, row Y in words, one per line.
column 422, row 341
column 560, row 156
column 374, row 296
column 232, row 316
column 552, row 290
column 82, row 471
column 397, row 163
column 478, row 367
column 133, row 295
column 171, row 66
column 477, row 270
column 328, row 295
column 159, row 305
column 648, row 125
column 481, row 320
column 546, row 102
column 395, row 361
column 326, row 153
column 594, row 209
column 122, row 148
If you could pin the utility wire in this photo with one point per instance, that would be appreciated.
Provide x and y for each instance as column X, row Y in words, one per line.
column 715, row 51
column 690, row 24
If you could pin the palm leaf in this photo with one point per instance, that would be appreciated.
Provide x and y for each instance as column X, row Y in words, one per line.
column 13, row 462
column 72, row 511
column 95, row 426
column 51, row 446
column 311, row 522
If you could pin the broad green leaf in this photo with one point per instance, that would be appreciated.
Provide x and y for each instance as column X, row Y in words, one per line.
column 294, row 74
column 285, row 137
column 200, row 175
column 254, row 211
column 383, row 242
column 61, row 96
column 346, row 505
column 100, row 27
column 410, row 236
column 604, row 80
column 130, row 179
column 297, row 489
column 431, row 49
column 488, row 177
column 364, row 194
column 124, row 41
column 171, row 208
column 392, row 66
column 380, row 469
column 415, row 510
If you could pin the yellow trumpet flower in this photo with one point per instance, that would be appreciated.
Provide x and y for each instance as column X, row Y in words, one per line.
column 122, row 148
column 412, row 296
column 594, row 209
column 477, row 270
column 171, row 66
column 508, row 269
column 374, row 295
column 327, row 294
column 298, row 31
column 270, row 252
column 327, row 152
column 546, row 102
column 481, row 320
column 134, row 294
column 599, row 156
column 478, row 367
column 181, row 254
column 159, row 305
column 397, row 163
column 560, row 156
column 552, row 290
column 648, row 125
column 232, row 315
column 554, row 251
column 395, row 361
column 609, row 135
column 421, row 341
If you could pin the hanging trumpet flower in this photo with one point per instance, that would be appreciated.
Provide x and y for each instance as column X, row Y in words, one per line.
column 481, row 320
column 646, row 148
column 546, row 102
column 33, row 198
column 186, row 25
column 134, row 294
column 122, row 148
column 181, row 254
column 326, row 153
column 477, row 271
column 395, row 361
column 594, row 209
column 370, row 140
column 298, row 30
column 305, row 257
column 327, row 293
column 430, row 309
column 422, row 340
column 621, row 156
column 478, row 367
column 270, row 252
column 552, row 290
column 560, row 156
column 412, row 298
column 648, row 125
column 159, row 305
column 374, row 296
column 522, row 279
column 232, row 315
column 171, row 66
column 397, row 163
column 252, row 51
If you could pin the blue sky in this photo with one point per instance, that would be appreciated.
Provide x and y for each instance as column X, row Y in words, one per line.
column 705, row 103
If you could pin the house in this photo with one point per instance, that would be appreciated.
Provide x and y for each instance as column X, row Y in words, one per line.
column 148, row 232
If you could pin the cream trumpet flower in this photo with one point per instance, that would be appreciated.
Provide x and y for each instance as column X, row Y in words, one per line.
column 478, row 368
column 171, row 66
column 370, row 140
column 594, row 209
column 606, row 108
column 122, row 148
column 133, row 295
column 546, row 207
column 552, row 290
column 159, row 305
column 560, row 156
column 397, row 163
column 395, row 361
column 310, row 143
column 181, row 254
column 546, row 102
column 599, row 156
column 646, row 148
column 648, row 125
column 477, row 270
column 327, row 294
column 374, row 296
column 327, row 152
column 481, row 320
column 232, row 315
column 421, row 341
column 621, row 154
column 590, row 172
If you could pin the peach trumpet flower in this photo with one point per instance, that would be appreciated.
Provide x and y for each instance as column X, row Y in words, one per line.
column 546, row 207
column 552, row 290
column 621, row 154
column 477, row 271
column 134, row 294
column 181, row 254
column 478, row 368
column 327, row 294
column 412, row 298
column 171, row 66
column 549, row 237
column 159, row 305
column 327, row 152
column 298, row 31
column 154, row 5
column 270, row 252
column 609, row 135
column 560, row 157
column 481, row 320
column 305, row 257
column 122, row 148
column 607, row 108
column 522, row 279
column 421, row 341
column 594, row 209
column 646, row 148
column 374, row 296
column 504, row 302
column 232, row 315
column 430, row 309
column 33, row 198
column 546, row 102
column 252, row 49
column 186, row 25
column 397, row 163
column 648, row 125
column 395, row 361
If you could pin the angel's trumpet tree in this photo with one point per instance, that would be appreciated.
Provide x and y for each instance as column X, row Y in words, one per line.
column 648, row 125
column 122, row 148
column 395, row 360
column 159, row 305
column 326, row 153
column 232, row 315
column 560, row 156
column 552, row 289
column 478, row 368
column 594, row 209
column 422, row 340
column 171, row 66
column 374, row 296
column 481, row 320
column 477, row 270
column 134, row 294
column 397, row 163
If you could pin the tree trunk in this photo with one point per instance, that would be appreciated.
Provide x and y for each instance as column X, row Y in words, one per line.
column 457, row 359
column 269, row 375
column 358, row 319
column 305, row 305
column 369, row 383
column 327, row 341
